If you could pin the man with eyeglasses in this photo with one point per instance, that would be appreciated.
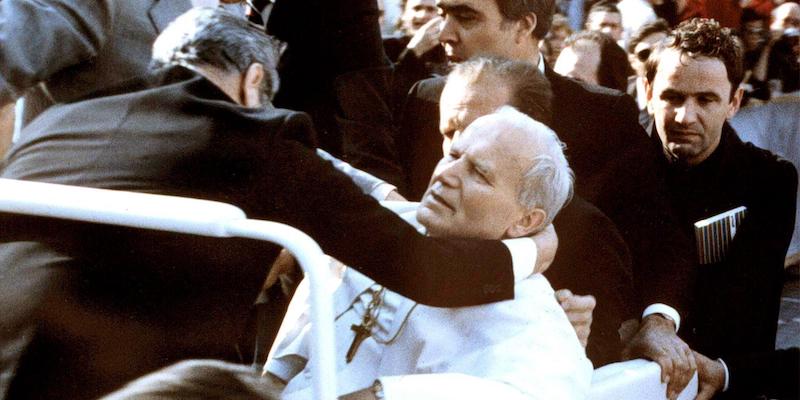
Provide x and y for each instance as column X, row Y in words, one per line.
column 639, row 48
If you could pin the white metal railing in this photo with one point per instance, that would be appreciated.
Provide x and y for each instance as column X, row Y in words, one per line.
column 635, row 379
column 189, row 216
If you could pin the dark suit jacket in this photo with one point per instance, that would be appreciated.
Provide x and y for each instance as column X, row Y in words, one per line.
column 592, row 258
column 84, row 308
column 736, row 302
column 771, row 373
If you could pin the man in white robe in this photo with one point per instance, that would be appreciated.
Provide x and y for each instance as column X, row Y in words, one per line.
column 504, row 176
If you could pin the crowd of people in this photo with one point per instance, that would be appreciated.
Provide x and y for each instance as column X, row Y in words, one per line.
column 515, row 192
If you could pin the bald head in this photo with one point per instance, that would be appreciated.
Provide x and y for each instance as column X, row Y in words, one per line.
column 785, row 16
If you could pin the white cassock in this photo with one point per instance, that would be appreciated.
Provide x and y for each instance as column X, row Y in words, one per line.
column 522, row 348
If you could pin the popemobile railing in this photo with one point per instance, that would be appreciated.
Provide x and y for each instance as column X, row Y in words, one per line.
column 635, row 379
column 196, row 217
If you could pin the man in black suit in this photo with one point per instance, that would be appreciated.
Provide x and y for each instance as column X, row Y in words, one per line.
column 693, row 89
column 615, row 166
column 85, row 308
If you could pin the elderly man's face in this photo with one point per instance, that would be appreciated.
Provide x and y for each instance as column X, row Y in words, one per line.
column 475, row 188
column 690, row 101
column 462, row 102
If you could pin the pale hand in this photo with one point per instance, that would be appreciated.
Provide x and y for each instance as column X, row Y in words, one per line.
column 656, row 340
column 579, row 311
column 426, row 37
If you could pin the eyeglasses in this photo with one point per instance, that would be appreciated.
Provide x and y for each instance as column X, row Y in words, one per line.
column 643, row 54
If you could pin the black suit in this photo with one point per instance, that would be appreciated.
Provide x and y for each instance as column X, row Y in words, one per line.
column 771, row 373
column 89, row 307
column 736, row 301
column 592, row 258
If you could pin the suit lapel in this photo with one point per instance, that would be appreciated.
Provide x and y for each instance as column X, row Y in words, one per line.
column 164, row 11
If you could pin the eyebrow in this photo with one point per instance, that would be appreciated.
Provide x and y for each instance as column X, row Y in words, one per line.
column 457, row 8
column 481, row 166
column 691, row 94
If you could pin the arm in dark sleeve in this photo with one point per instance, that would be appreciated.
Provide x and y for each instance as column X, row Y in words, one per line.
column 753, row 271
column 364, row 118
column 304, row 191
column 645, row 216
column 593, row 259
column 39, row 38
column 350, row 98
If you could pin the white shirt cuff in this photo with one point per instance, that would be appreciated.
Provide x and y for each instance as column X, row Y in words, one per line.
column 665, row 310
column 523, row 256
column 382, row 190
column 727, row 375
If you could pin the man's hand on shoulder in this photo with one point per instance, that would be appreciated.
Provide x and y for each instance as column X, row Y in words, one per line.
column 579, row 311
column 656, row 340
column 546, row 246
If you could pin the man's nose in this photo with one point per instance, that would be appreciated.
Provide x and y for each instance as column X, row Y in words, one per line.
column 449, row 174
column 448, row 34
column 686, row 113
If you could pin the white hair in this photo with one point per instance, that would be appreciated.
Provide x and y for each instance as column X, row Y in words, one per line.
column 548, row 181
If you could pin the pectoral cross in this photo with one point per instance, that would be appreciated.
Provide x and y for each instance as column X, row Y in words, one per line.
column 364, row 330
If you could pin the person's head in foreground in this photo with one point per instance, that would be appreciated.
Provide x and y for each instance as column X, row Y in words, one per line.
column 692, row 85
column 502, row 28
column 595, row 58
column 225, row 48
column 504, row 176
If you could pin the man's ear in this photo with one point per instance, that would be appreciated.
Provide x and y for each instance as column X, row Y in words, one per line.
column 525, row 27
column 736, row 102
column 252, row 92
column 527, row 224
column 648, row 90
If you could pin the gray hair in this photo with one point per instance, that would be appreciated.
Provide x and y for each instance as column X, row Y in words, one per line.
column 200, row 379
column 529, row 89
column 213, row 37
column 548, row 181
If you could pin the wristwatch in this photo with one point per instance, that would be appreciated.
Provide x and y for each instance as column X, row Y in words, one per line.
column 377, row 390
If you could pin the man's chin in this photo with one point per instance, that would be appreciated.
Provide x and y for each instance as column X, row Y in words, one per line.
column 429, row 219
